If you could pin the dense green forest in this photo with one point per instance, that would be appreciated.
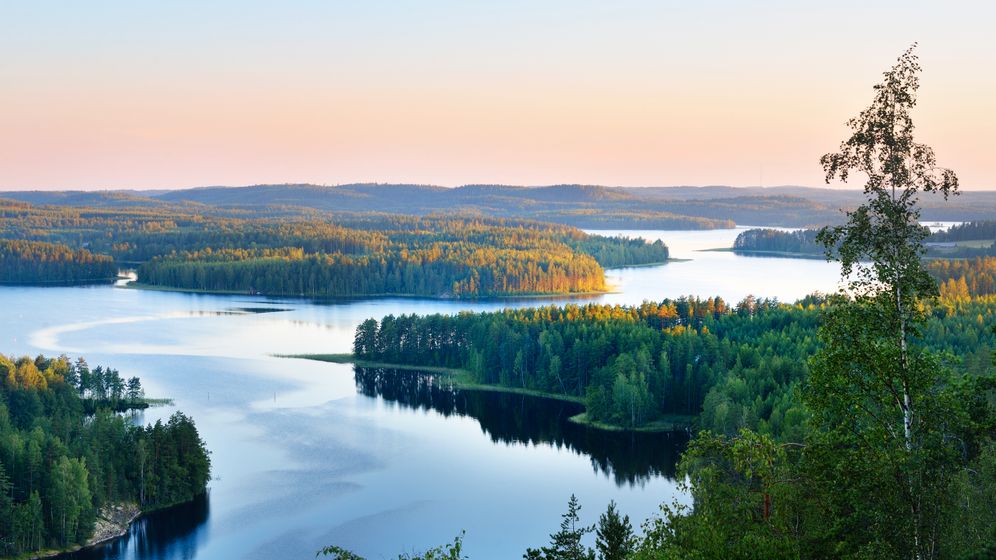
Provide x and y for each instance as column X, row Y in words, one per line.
column 967, row 240
column 730, row 367
column 968, row 231
column 459, row 272
column 326, row 256
column 28, row 262
column 64, row 456
column 762, row 240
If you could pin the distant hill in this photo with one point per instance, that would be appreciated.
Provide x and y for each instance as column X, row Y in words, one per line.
column 587, row 206
column 86, row 198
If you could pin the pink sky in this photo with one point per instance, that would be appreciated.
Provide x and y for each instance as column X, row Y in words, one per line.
column 117, row 95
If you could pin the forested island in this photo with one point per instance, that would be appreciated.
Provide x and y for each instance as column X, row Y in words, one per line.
column 800, row 243
column 68, row 462
column 314, row 255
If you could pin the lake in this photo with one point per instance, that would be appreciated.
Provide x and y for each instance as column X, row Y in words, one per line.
column 307, row 453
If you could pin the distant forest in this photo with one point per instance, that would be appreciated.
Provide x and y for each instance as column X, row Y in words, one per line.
column 585, row 206
column 306, row 240
column 799, row 242
column 64, row 456
column 311, row 254
column 32, row 262
column 969, row 231
column 967, row 240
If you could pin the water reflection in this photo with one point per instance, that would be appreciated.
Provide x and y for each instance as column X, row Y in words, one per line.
column 172, row 533
column 630, row 458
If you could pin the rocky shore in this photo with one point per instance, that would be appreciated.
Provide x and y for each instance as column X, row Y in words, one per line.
column 112, row 522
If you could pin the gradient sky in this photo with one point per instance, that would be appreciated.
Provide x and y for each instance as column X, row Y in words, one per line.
column 180, row 93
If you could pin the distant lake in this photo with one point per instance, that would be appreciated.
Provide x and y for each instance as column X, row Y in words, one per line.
column 722, row 273
column 307, row 454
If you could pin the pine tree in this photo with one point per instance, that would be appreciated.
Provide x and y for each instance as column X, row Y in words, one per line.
column 614, row 537
column 566, row 544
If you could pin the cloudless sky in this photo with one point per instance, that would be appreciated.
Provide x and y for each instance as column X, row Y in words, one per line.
column 142, row 94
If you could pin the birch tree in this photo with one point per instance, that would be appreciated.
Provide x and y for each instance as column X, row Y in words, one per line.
column 872, row 388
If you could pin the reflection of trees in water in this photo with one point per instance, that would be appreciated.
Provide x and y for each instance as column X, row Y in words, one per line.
column 174, row 532
column 630, row 457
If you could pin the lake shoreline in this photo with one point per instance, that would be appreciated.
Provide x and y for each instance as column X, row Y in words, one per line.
column 765, row 253
column 113, row 522
column 135, row 285
column 461, row 380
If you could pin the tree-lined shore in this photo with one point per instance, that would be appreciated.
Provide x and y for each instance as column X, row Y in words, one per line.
column 69, row 465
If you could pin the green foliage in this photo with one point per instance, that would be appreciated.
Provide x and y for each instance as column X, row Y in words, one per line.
column 874, row 390
column 566, row 543
column 338, row 553
column 34, row 262
column 64, row 455
column 743, row 492
column 894, row 455
column 613, row 252
column 614, row 538
column 445, row 552
column 981, row 230
column 315, row 255
column 732, row 367
column 801, row 242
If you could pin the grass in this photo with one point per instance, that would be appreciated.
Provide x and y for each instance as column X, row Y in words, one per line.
column 968, row 244
column 669, row 423
column 463, row 380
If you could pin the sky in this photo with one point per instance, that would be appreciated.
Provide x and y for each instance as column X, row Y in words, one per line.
column 142, row 94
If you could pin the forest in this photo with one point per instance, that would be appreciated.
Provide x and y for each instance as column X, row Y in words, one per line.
column 789, row 460
column 320, row 255
column 960, row 279
column 65, row 457
column 584, row 206
column 966, row 240
column 727, row 366
column 31, row 262
column 968, row 231
column 758, row 240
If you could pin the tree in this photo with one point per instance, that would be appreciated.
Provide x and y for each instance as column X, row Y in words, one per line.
column 134, row 390
column 875, row 395
column 445, row 552
column 566, row 544
column 71, row 498
column 365, row 341
column 614, row 537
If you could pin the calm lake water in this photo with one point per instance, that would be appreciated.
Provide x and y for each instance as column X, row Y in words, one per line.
column 307, row 454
